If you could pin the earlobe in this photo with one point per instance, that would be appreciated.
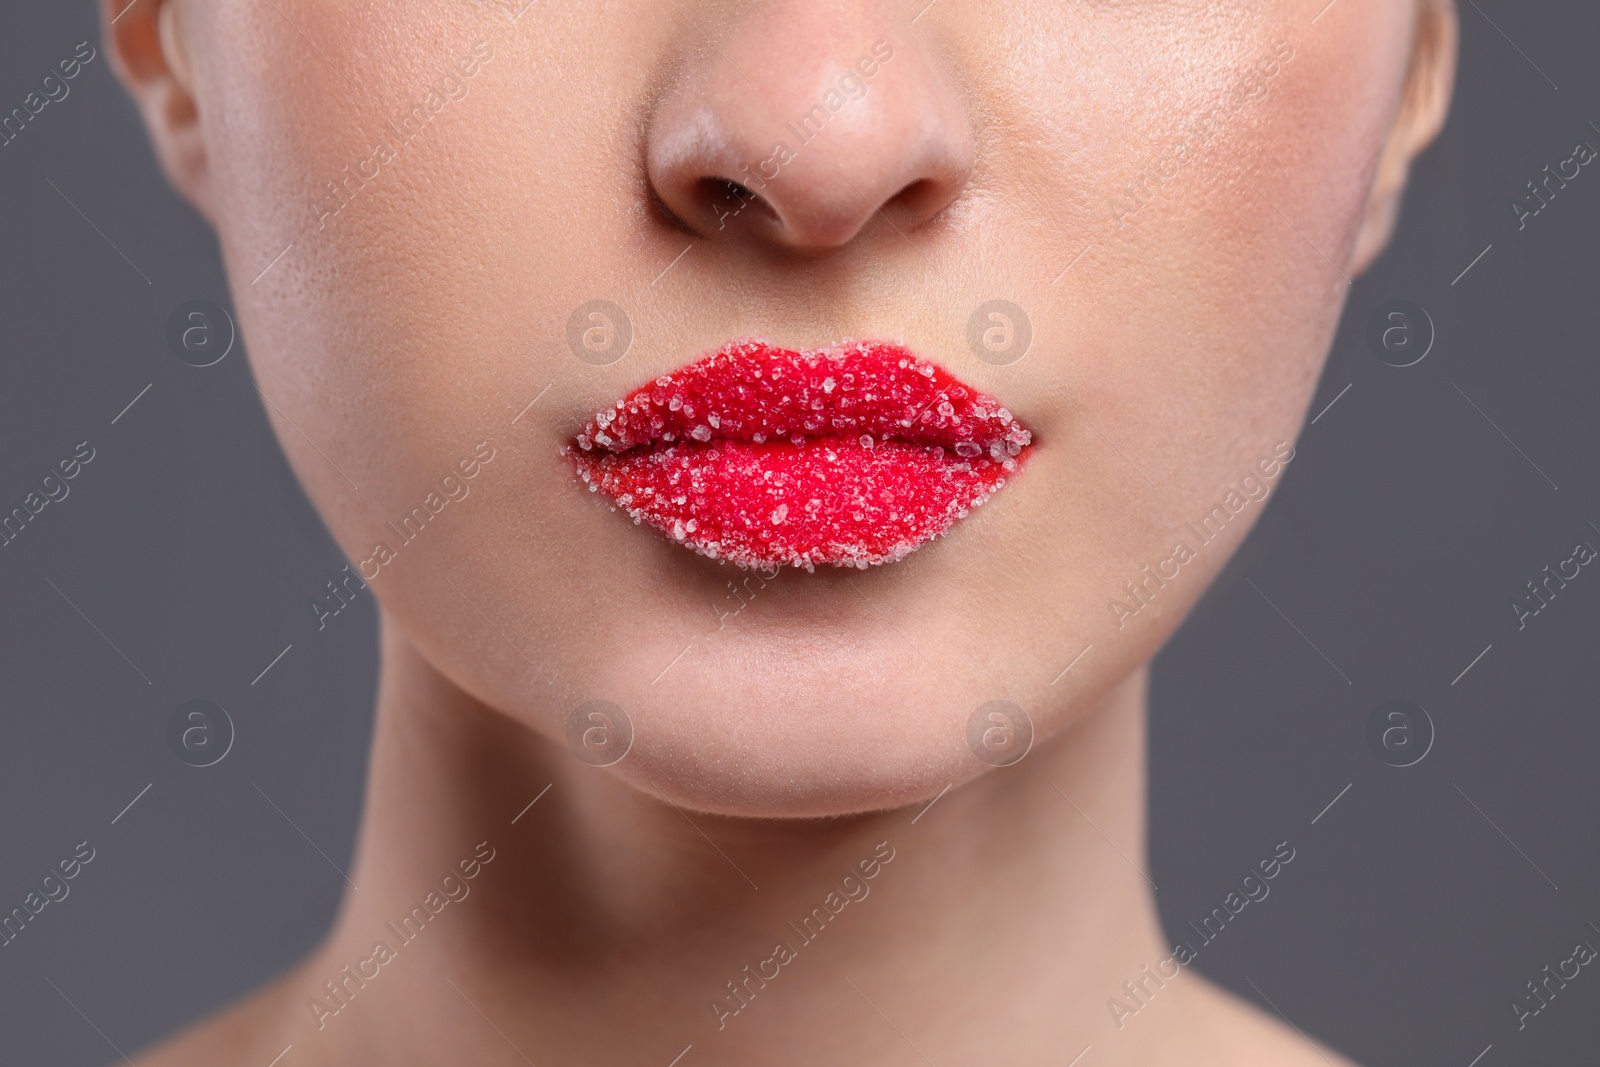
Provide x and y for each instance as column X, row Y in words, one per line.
column 148, row 46
column 1424, row 106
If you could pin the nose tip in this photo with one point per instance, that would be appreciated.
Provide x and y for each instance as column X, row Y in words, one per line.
column 804, row 125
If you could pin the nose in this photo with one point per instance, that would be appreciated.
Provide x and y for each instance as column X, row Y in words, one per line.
column 802, row 123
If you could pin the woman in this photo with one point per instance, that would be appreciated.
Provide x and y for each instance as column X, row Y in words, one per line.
column 779, row 436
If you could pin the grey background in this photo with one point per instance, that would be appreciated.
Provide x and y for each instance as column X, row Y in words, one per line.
column 1400, row 933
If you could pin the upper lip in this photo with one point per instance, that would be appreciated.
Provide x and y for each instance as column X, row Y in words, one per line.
column 753, row 391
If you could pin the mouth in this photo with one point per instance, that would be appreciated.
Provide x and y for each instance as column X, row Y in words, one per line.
column 853, row 455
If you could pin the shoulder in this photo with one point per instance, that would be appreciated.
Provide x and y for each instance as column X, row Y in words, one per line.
column 1250, row 1036
column 248, row 1031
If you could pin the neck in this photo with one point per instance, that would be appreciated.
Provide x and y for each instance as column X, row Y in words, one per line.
column 602, row 925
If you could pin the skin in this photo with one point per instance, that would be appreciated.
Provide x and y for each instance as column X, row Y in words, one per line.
column 1177, row 339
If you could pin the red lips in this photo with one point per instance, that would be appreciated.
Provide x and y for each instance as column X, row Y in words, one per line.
column 852, row 455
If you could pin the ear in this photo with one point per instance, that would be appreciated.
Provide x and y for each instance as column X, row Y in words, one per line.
column 148, row 48
column 1424, row 105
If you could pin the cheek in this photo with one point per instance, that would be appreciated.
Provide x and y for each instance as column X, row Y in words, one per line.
column 403, row 262
column 1215, row 205
column 1240, row 200
column 1189, row 336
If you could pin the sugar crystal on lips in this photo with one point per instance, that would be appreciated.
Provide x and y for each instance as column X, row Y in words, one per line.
column 853, row 455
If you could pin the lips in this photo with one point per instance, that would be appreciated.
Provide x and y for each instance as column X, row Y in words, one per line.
column 853, row 455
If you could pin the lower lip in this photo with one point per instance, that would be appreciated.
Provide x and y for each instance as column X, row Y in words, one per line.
column 853, row 455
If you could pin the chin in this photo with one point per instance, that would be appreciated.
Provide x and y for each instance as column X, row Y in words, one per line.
column 792, row 763
column 808, row 728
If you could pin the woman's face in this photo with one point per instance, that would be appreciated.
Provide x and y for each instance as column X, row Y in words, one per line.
column 419, row 204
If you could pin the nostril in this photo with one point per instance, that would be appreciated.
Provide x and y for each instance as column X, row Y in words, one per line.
column 921, row 200
column 734, row 189
column 721, row 200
